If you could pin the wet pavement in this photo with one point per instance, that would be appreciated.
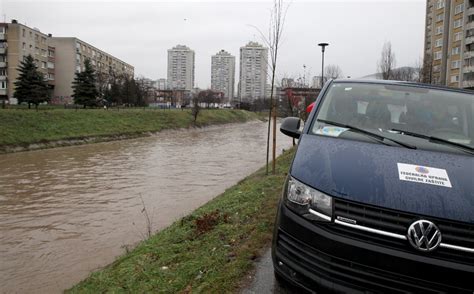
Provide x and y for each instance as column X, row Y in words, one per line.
column 263, row 280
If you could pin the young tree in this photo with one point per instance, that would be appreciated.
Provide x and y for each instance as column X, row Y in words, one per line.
column 387, row 62
column 30, row 86
column 196, row 108
column 84, row 86
column 275, row 32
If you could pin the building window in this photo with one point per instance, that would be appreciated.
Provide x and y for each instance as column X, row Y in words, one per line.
column 3, row 85
column 459, row 8
column 456, row 64
column 31, row 35
column 439, row 43
column 43, row 64
column 50, row 64
column 43, row 53
column 437, row 55
column 456, row 50
column 439, row 30
column 3, row 72
column 50, row 53
column 23, row 33
column 37, row 51
column 440, row 17
column 50, row 76
column 457, row 23
column 23, row 46
column 455, row 79
column 457, row 36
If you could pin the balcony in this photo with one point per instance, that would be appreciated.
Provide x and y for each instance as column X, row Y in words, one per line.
column 3, row 91
column 3, row 64
column 470, row 40
column 470, row 25
column 470, row 11
column 469, row 69
column 3, row 50
column 468, row 54
column 3, row 78
column 468, row 84
column 3, row 36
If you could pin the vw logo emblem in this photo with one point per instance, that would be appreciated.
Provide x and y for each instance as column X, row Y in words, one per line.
column 424, row 235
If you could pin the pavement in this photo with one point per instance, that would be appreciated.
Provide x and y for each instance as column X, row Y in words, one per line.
column 263, row 280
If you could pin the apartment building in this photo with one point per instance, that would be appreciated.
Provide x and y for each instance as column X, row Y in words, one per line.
column 16, row 42
column 253, row 72
column 449, row 42
column 70, row 56
column 180, row 68
column 223, row 74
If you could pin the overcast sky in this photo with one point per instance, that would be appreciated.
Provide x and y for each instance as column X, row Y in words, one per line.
column 140, row 32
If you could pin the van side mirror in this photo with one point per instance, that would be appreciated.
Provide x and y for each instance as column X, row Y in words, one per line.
column 291, row 127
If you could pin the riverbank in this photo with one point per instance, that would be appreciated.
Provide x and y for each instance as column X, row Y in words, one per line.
column 208, row 251
column 24, row 130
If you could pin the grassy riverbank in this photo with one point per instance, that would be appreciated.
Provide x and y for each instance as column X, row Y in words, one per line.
column 208, row 251
column 24, row 127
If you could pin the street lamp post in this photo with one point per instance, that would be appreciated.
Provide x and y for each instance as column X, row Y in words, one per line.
column 323, row 48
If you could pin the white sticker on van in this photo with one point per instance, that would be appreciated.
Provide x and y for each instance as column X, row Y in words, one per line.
column 330, row 131
column 423, row 175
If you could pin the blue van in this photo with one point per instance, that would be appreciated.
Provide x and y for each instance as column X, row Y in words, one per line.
column 380, row 195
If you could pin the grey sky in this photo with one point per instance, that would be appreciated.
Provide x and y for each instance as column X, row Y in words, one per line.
column 141, row 32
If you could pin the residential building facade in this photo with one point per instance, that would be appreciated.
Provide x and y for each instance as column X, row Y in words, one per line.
column 253, row 72
column 449, row 43
column 161, row 84
column 223, row 74
column 70, row 56
column 180, row 68
column 16, row 42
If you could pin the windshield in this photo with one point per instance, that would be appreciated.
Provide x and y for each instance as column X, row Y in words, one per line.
column 435, row 113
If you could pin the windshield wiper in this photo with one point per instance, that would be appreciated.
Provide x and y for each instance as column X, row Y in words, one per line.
column 379, row 137
column 437, row 140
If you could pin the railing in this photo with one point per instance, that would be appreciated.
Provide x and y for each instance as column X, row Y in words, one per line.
column 470, row 40
column 3, row 64
column 470, row 25
column 3, row 91
column 468, row 54
column 468, row 68
column 3, row 36
column 470, row 11
column 3, row 78
column 3, row 50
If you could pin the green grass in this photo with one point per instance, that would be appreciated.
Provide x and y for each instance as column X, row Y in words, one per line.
column 208, row 251
column 22, row 127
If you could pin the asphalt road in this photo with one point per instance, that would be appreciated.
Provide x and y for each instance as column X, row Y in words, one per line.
column 263, row 281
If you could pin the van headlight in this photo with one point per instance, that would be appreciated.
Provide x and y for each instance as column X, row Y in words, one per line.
column 308, row 202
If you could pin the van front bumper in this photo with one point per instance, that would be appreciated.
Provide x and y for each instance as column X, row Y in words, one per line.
column 311, row 256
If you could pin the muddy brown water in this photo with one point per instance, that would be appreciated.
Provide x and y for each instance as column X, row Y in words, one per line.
column 65, row 212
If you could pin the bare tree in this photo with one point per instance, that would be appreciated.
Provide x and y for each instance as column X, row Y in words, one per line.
column 406, row 73
column 426, row 70
column 332, row 72
column 272, row 40
column 387, row 62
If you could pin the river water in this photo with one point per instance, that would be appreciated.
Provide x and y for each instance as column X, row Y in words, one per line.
column 67, row 211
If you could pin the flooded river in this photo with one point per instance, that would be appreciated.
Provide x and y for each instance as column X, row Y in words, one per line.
column 67, row 211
